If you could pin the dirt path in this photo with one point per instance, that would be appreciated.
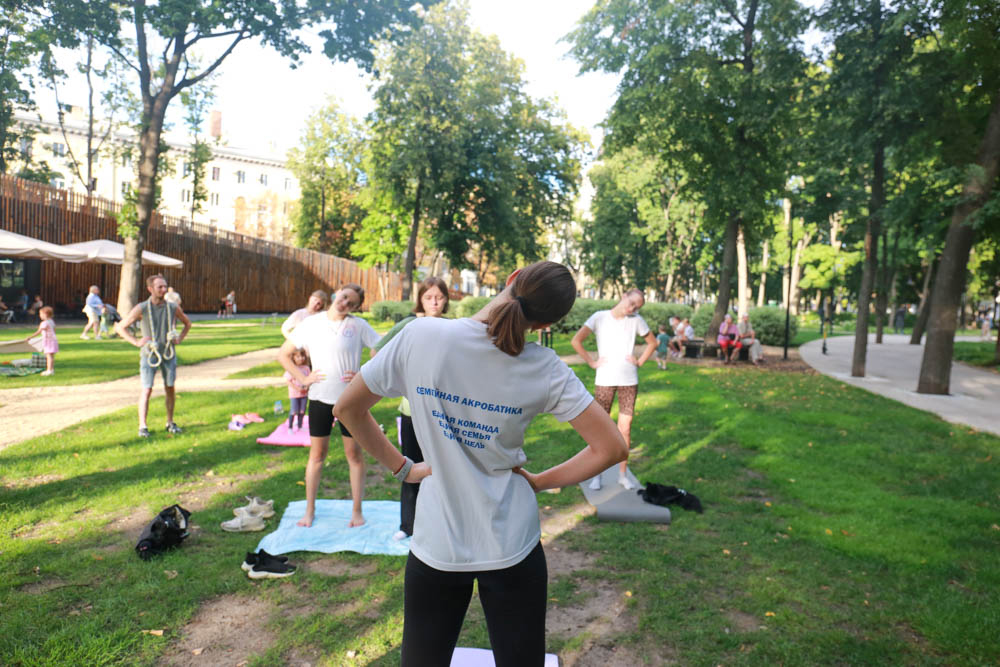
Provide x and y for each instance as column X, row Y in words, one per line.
column 28, row 412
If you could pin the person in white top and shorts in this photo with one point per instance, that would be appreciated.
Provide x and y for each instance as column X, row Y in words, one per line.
column 334, row 341
column 616, row 365
column 474, row 386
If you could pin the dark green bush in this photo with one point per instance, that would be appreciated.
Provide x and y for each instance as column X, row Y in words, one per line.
column 702, row 319
column 769, row 325
column 393, row 311
column 578, row 314
column 468, row 306
column 656, row 314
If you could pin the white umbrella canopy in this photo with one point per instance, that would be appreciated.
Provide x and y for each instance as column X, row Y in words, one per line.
column 110, row 252
column 18, row 245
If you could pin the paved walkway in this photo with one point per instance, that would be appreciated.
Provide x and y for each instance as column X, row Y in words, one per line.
column 28, row 412
column 893, row 369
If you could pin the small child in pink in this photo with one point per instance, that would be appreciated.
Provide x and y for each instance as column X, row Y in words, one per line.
column 47, row 330
column 297, row 392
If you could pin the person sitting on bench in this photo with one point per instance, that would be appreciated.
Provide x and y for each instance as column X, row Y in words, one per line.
column 729, row 339
column 683, row 334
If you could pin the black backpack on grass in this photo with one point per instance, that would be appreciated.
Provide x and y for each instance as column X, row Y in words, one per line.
column 167, row 530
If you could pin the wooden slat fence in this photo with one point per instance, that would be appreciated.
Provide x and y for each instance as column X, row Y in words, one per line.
column 266, row 276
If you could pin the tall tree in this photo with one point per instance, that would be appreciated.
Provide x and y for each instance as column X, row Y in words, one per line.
column 197, row 101
column 869, row 110
column 712, row 87
column 329, row 163
column 969, row 30
column 166, row 34
column 476, row 163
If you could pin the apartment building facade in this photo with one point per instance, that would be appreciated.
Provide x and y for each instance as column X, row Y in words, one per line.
column 248, row 192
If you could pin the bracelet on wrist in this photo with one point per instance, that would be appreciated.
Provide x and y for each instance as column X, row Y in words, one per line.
column 404, row 469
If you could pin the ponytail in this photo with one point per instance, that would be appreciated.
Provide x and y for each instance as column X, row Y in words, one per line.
column 539, row 294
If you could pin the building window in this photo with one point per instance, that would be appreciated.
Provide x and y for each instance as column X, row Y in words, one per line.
column 58, row 183
column 125, row 188
column 241, row 177
column 126, row 159
column 288, row 184
column 262, row 210
column 185, row 196
column 213, row 199
column 284, row 208
column 263, row 179
column 59, row 150
column 216, row 173
column 25, row 146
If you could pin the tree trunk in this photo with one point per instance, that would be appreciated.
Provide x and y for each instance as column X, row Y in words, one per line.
column 763, row 276
column 924, row 309
column 411, row 246
column 742, row 274
column 130, row 288
column 797, row 270
column 935, row 369
column 725, row 289
column 880, row 294
column 872, row 231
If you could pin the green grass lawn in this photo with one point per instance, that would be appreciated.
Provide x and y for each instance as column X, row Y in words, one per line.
column 839, row 528
column 85, row 361
column 977, row 353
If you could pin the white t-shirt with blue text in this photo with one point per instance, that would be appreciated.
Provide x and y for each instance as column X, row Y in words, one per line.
column 471, row 404
column 615, row 344
column 334, row 348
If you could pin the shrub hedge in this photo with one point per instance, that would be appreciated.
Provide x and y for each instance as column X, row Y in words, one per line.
column 469, row 306
column 393, row 311
column 702, row 319
column 769, row 325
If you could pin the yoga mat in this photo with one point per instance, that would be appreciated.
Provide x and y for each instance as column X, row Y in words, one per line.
column 282, row 437
column 616, row 503
column 481, row 657
column 330, row 532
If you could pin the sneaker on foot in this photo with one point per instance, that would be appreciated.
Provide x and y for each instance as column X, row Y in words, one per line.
column 84, row 337
column 626, row 482
column 258, row 507
column 243, row 523
column 595, row 484
column 399, row 535
column 174, row 428
column 143, row 432
column 47, row 372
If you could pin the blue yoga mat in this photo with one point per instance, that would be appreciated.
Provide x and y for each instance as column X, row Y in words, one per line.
column 330, row 533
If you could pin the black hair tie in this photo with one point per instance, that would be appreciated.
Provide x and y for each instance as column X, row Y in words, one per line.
column 524, row 308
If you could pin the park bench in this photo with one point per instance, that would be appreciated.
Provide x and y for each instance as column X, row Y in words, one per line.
column 694, row 348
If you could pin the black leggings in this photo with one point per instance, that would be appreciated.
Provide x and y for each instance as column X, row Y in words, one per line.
column 513, row 600
column 408, row 492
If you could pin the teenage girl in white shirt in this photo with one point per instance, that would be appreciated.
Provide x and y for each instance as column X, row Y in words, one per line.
column 474, row 387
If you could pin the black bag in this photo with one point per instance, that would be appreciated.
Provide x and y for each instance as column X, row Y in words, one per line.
column 658, row 494
column 167, row 530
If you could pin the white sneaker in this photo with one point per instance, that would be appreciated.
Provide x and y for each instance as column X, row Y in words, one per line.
column 244, row 522
column 84, row 337
column 626, row 482
column 595, row 484
column 97, row 337
column 399, row 535
column 47, row 372
column 257, row 507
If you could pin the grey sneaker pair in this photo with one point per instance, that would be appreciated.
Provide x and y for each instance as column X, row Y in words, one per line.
column 171, row 428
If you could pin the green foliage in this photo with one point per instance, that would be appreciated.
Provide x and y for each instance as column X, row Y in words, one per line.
column 329, row 165
column 469, row 305
column 702, row 319
column 769, row 325
column 197, row 100
column 392, row 311
column 456, row 140
column 578, row 314
column 660, row 313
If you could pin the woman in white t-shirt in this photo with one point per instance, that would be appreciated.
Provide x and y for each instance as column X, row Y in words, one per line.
column 616, row 365
column 474, row 386
column 334, row 341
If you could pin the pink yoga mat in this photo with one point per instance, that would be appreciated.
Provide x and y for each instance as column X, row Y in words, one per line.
column 282, row 437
